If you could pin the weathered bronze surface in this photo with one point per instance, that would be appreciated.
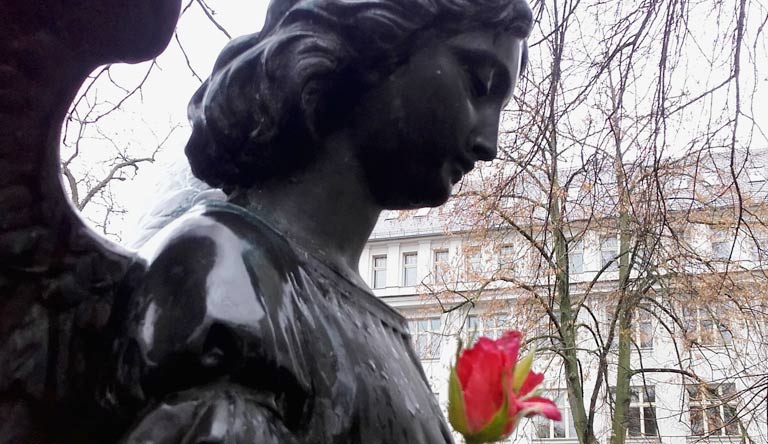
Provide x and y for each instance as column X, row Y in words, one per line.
column 245, row 321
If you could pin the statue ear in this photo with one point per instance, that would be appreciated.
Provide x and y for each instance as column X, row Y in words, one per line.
column 312, row 105
column 328, row 99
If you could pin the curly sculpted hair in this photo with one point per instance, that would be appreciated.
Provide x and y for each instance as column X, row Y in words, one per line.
column 273, row 94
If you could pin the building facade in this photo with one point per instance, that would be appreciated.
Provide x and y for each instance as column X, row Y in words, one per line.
column 703, row 377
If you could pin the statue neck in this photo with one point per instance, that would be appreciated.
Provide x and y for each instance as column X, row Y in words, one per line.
column 327, row 209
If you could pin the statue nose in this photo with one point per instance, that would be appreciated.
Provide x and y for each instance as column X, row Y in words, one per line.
column 484, row 149
column 485, row 134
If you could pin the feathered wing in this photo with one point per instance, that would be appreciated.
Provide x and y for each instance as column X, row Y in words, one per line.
column 58, row 279
column 179, row 191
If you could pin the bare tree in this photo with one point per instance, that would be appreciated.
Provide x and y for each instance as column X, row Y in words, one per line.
column 105, row 142
column 634, row 137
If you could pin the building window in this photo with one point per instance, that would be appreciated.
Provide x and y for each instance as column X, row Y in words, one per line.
column 721, row 249
column 545, row 335
column 703, row 328
column 679, row 183
column 426, row 335
column 409, row 269
column 380, row 271
column 439, row 265
column 548, row 429
column 712, row 410
column 506, row 255
column 642, row 326
column 641, row 416
column 491, row 326
column 576, row 257
column 473, row 262
column 609, row 252
column 471, row 330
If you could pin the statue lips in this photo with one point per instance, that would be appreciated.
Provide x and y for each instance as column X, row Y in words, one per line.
column 460, row 167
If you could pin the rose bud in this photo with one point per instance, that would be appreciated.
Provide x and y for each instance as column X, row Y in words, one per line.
column 490, row 391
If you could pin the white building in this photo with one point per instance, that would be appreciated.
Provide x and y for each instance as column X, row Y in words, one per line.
column 426, row 265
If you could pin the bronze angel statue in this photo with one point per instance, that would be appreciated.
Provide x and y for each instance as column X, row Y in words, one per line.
column 245, row 320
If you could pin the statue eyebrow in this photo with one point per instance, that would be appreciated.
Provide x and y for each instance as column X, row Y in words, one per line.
column 481, row 57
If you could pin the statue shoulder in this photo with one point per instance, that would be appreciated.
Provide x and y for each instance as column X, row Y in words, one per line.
column 206, row 270
column 206, row 306
column 218, row 230
column 188, row 239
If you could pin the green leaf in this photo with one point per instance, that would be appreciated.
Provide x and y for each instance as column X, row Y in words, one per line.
column 522, row 369
column 457, row 414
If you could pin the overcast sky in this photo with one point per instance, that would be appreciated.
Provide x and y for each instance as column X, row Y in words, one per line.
column 147, row 118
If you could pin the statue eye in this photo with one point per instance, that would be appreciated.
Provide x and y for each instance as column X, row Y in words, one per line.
column 479, row 85
column 485, row 75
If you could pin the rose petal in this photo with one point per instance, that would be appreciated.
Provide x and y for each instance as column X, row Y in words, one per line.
column 479, row 370
column 531, row 381
column 540, row 406
column 485, row 374
column 509, row 343
column 471, row 356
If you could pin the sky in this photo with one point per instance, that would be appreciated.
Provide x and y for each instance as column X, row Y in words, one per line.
column 158, row 112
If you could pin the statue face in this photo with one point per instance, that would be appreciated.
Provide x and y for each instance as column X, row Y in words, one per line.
column 424, row 127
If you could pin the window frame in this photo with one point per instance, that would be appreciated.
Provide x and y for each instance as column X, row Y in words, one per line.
column 721, row 249
column 700, row 318
column 410, row 269
column 491, row 325
column 426, row 342
column 703, row 398
column 755, row 174
column 614, row 261
column 439, row 267
column 545, row 332
column 642, row 317
column 377, row 271
column 473, row 262
column 506, row 254
column 576, row 247
column 560, row 398
column 639, row 402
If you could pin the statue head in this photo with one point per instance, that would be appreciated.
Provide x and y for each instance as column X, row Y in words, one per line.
column 273, row 95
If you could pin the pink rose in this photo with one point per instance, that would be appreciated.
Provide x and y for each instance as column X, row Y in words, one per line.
column 490, row 390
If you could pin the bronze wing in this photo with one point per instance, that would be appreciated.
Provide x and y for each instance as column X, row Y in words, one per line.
column 58, row 279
